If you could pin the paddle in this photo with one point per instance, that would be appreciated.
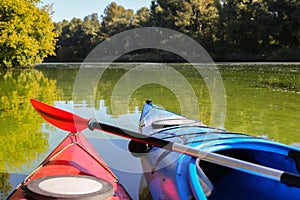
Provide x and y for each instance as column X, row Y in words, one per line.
column 73, row 123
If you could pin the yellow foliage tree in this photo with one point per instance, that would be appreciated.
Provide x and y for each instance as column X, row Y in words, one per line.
column 26, row 33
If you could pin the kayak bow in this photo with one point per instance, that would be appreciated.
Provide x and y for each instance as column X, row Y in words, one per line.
column 176, row 176
column 74, row 170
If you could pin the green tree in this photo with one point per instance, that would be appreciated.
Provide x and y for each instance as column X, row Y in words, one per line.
column 70, row 40
column 243, row 28
column 196, row 18
column 116, row 19
column 77, row 38
column 26, row 33
column 142, row 17
column 286, row 29
column 91, row 28
column 258, row 29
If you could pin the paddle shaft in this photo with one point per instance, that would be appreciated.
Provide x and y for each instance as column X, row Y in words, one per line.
column 73, row 123
column 247, row 167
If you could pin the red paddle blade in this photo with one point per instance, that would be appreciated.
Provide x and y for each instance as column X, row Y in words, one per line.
column 62, row 119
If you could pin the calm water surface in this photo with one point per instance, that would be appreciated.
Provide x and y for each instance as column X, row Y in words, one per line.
column 262, row 100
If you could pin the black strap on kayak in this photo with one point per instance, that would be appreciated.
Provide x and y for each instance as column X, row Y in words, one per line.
column 290, row 179
column 296, row 156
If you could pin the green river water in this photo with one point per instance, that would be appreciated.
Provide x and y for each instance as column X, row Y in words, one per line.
column 261, row 100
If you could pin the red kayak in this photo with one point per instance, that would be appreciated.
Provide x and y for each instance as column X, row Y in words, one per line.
column 74, row 170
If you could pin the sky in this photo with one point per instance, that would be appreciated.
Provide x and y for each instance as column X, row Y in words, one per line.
column 67, row 9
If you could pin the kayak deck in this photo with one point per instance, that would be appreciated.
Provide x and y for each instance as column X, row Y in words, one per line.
column 175, row 176
column 74, row 157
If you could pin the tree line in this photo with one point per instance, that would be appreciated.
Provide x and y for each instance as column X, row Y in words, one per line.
column 230, row 30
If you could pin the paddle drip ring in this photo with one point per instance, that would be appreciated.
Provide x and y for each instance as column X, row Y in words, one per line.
column 69, row 187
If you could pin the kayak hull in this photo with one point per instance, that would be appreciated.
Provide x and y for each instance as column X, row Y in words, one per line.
column 73, row 157
column 172, row 175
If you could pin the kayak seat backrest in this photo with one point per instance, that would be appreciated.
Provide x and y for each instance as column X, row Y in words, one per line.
column 206, row 184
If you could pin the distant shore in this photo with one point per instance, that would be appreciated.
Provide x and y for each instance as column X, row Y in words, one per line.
column 125, row 63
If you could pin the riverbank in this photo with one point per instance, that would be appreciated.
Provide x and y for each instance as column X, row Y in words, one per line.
column 124, row 64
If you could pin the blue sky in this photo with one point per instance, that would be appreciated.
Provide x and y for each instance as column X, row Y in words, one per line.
column 67, row 9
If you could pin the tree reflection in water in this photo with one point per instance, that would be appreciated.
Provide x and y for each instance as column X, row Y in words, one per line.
column 21, row 139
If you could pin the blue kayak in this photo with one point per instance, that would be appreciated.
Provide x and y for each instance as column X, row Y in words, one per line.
column 171, row 175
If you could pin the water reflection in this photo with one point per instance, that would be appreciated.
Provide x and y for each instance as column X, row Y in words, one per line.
column 21, row 138
column 22, row 143
column 261, row 100
column 256, row 109
column 9, row 181
column 4, row 185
